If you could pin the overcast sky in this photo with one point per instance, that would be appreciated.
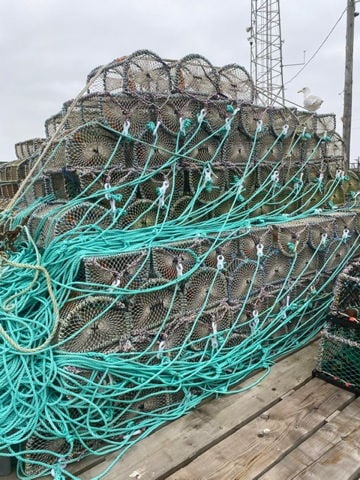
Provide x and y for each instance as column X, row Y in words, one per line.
column 47, row 47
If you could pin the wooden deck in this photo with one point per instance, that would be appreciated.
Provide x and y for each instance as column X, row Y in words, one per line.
column 289, row 426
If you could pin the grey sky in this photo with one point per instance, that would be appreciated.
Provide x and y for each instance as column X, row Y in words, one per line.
column 47, row 47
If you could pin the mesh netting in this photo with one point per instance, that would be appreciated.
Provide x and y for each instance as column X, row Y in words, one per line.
column 172, row 239
column 93, row 146
column 93, row 324
column 195, row 75
column 235, row 83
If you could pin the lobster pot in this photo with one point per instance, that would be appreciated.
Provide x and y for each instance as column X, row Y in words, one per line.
column 291, row 150
column 125, row 110
column 222, row 250
column 280, row 118
column 146, row 72
column 85, row 110
column 42, row 449
column 170, row 180
column 337, row 254
column 49, row 221
column 217, row 115
column 206, row 288
column 175, row 260
column 38, row 188
column 196, row 76
column 154, row 151
column 202, row 149
column 276, row 268
column 157, row 305
column 291, row 237
column 335, row 149
column 194, row 211
column 53, row 123
column 312, row 150
column 93, row 146
column 142, row 214
column 209, row 184
column 249, row 242
column 109, row 79
column 351, row 184
column 344, row 225
column 334, row 167
column 236, row 84
column 305, row 122
column 209, row 327
column 307, row 263
column 268, row 150
column 347, row 291
column 335, row 194
column 8, row 190
column 238, row 148
column 93, row 184
column 246, row 281
column 254, row 120
column 55, row 157
column 65, row 184
column 124, row 270
column 94, row 324
column 175, row 109
column 339, row 355
column 28, row 148
column 324, row 125
column 321, row 231
column 3, row 172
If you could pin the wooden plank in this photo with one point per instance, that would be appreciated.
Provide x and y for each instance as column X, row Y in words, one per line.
column 257, row 446
column 208, row 424
column 334, row 431
column 176, row 444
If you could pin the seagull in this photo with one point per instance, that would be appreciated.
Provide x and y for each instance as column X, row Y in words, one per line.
column 311, row 102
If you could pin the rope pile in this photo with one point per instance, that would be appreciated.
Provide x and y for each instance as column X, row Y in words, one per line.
column 167, row 239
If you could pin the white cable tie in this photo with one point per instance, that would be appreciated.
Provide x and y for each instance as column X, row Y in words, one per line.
column 323, row 238
column 285, row 129
column 115, row 284
column 220, row 262
column 179, row 269
column 214, row 341
column 107, row 186
column 112, row 204
column 156, row 128
column 228, row 123
column 346, row 234
column 318, row 210
column 126, row 127
column 259, row 126
column 161, row 349
column 325, row 134
column 208, row 174
column 301, row 177
column 275, row 177
column 340, row 174
column 260, row 250
column 303, row 132
column 235, row 111
column 164, row 187
column 182, row 129
column 201, row 115
column 321, row 177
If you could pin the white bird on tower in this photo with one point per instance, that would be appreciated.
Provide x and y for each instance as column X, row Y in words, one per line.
column 311, row 102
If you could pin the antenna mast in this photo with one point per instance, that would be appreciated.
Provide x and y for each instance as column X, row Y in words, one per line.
column 266, row 51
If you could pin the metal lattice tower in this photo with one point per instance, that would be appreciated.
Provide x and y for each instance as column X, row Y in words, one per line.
column 266, row 50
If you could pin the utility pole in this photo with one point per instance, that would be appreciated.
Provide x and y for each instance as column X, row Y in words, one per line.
column 348, row 78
